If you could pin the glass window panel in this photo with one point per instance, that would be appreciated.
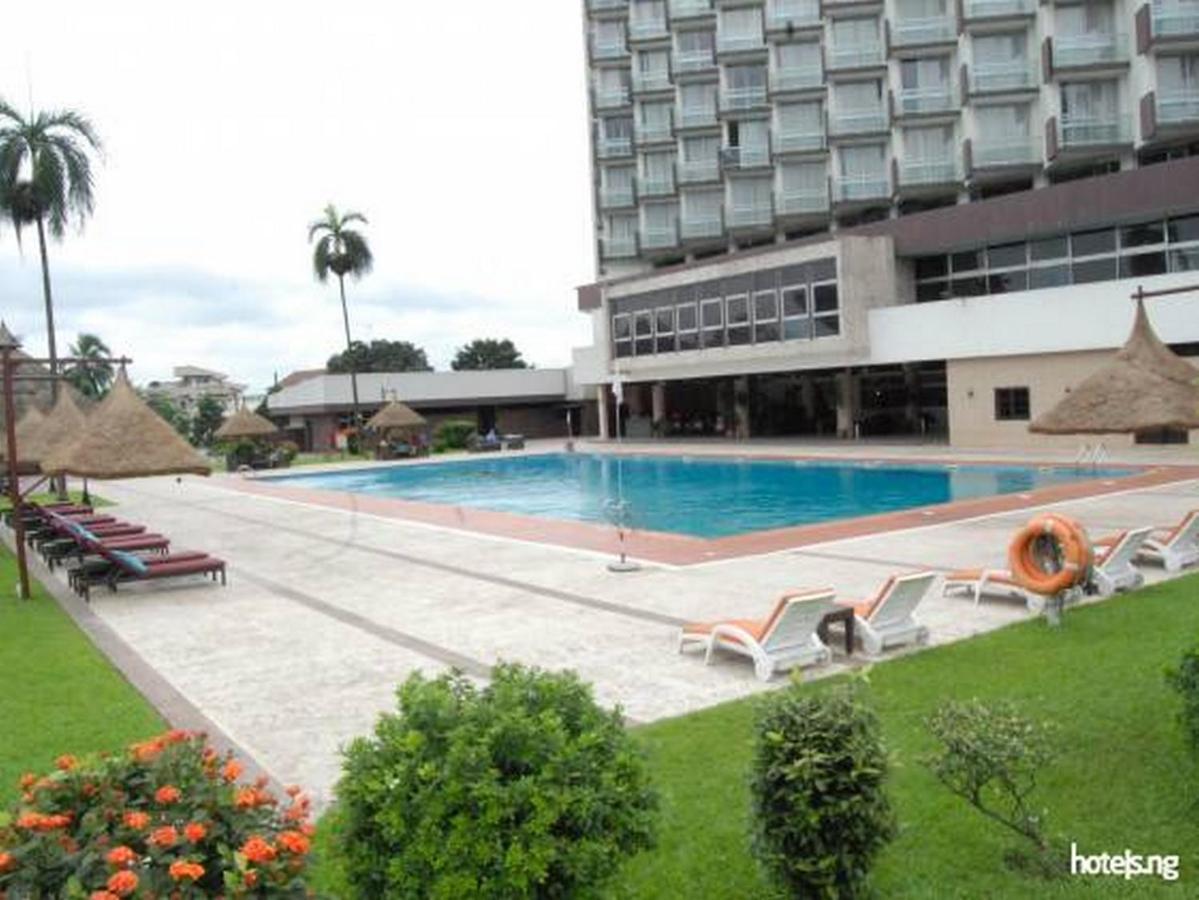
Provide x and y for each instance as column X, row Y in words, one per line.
column 713, row 314
column 1143, row 235
column 621, row 329
column 1094, row 270
column 1007, row 282
column 1048, row 276
column 738, row 310
column 688, row 340
column 644, row 324
column 797, row 329
column 1047, row 248
column 969, row 287
column 665, row 320
column 1089, row 243
column 1184, row 260
column 826, row 326
column 795, row 301
column 739, row 335
column 967, row 261
column 687, row 317
column 1005, row 256
column 1142, row 264
column 766, row 331
column 1183, row 229
column 824, row 298
column 932, row 267
column 822, row 269
column 766, row 306
column 932, row 290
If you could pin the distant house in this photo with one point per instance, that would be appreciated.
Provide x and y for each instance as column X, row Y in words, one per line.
column 192, row 384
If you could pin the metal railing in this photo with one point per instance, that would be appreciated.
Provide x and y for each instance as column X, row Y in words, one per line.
column 923, row 31
column 798, row 141
column 646, row 29
column 609, row 50
column 606, row 98
column 1005, row 76
column 745, row 157
column 742, row 98
column 699, row 171
column 791, row 203
column 619, row 246
column 1082, row 132
column 781, row 13
column 1175, row 19
column 657, row 186
column 658, row 80
column 989, row 9
column 737, row 43
column 928, row 171
column 694, row 61
column 1005, row 153
column 792, row 79
column 617, row 197
column 607, row 4
column 660, row 237
column 857, row 121
column 1177, row 106
column 612, row 147
column 926, row 100
column 855, row 56
column 751, row 216
column 861, row 187
column 654, row 131
column 701, row 227
column 680, row 9
column 696, row 117
column 1089, row 49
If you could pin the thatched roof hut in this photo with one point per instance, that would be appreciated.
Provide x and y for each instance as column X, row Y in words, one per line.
column 63, row 424
column 1145, row 387
column 245, row 423
column 396, row 416
column 27, row 426
column 125, row 438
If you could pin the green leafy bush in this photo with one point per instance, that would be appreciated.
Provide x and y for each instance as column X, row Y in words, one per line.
column 990, row 756
column 288, row 451
column 1184, row 678
column 453, row 435
column 167, row 818
column 820, row 812
column 522, row 788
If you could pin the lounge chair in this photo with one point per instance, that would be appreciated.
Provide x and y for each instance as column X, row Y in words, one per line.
column 86, row 543
column 96, row 569
column 1113, row 570
column 1174, row 548
column 129, row 568
column 477, row 444
column 514, row 442
column 886, row 619
column 979, row 583
column 785, row 639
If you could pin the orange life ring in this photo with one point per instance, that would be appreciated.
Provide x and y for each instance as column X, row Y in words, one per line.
column 1051, row 554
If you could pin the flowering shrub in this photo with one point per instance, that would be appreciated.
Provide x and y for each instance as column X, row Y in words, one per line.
column 167, row 818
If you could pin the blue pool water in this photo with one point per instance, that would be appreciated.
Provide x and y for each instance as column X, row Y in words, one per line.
column 703, row 497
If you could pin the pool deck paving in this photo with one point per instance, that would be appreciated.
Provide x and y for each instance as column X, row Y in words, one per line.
column 329, row 607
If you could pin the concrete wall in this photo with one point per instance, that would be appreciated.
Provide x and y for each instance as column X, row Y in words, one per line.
column 972, row 383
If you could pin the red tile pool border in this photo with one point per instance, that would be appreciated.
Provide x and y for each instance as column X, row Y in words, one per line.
column 683, row 550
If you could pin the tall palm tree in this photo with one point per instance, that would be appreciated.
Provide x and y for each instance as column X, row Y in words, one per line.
column 94, row 376
column 46, row 181
column 342, row 251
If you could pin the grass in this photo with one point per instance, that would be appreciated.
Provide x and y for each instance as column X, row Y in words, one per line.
column 59, row 695
column 1123, row 779
column 48, row 497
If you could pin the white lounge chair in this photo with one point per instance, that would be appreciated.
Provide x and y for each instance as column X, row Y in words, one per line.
column 785, row 639
column 1174, row 548
column 1113, row 569
column 979, row 583
column 886, row 620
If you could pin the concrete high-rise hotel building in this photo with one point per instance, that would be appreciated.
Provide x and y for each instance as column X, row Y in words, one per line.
column 871, row 217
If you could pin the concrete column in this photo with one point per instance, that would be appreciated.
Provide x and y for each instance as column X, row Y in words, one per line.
column 807, row 396
column 911, row 381
column 847, row 403
column 658, row 407
column 602, row 403
column 741, row 407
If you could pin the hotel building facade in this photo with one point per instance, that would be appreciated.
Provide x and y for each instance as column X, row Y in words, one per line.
column 874, row 218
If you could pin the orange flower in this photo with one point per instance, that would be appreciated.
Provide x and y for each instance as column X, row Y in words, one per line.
column 137, row 820
column 28, row 780
column 146, row 750
column 6, row 862
column 257, row 850
column 103, row 895
column 250, row 797
column 186, row 871
column 293, row 790
column 167, row 795
column 121, row 857
column 123, row 883
column 294, row 842
column 66, row 762
column 35, row 821
column 176, row 736
column 166, row 836
column 195, row 832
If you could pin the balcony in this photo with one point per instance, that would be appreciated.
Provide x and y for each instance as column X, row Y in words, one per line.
column 855, row 56
column 925, row 101
column 919, row 32
column 648, row 29
column 611, row 98
column 619, row 246
column 861, row 188
column 857, row 121
column 614, row 147
column 653, row 132
column 799, row 141
column 1093, row 49
column 782, row 15
column 697, row 117
column 924, row 172
column 609, row 50
column 803, row 203
column 1175, row 20
column 741, row 99
column 694, row 61
column 617, row 196
column 656, row 186
column 1177, row 108
column 796, row 79
column 607, row 5
column 646, row 82
column 660, row 237
column 997, row 154
column 974, row 10
column 757, row 215
column 699, row 171
column 735, row 159
column 1094, row 132
column 690, row 9
column 696, row 227
column 997, row 78
column 739, row 43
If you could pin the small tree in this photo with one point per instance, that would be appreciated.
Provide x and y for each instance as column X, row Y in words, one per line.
column 820, row 813
column 93, row 377
column 488, row 353
column 522, row 788
column 990, row 756
column 380, row 356
column 208, row 418
column 1184, row 678
column 174, row 416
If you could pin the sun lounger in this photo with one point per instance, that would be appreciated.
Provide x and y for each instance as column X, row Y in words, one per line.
column 127, row 568
column 477, row 444
column 979, row 583
column 785, row 639
column 94, row 569
column 1173, row 548
column 886, row 620
column 1113, row 570
column 86, row 543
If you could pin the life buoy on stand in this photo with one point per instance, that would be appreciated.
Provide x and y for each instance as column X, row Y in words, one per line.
column 1051, row 555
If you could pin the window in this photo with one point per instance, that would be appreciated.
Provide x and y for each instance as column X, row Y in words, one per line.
column 766, row 316
column 688, row 326
column 664, row 328
column 622, row 335
column 1092, row 243
column 796, row 322
column 737, row 319
column 643, row 333
column 826, row 309
column 712, row 316
column 1011, row 404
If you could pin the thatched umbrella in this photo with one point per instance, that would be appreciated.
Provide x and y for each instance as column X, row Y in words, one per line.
column 245, row 423
column 395, row 416
column 27, row 426
column 1145, row 387
column 125, row 438
column 62, row 425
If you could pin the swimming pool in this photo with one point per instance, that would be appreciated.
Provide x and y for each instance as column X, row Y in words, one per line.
column 703, row 497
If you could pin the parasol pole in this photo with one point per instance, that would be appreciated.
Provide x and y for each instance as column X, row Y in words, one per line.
column 14, row 488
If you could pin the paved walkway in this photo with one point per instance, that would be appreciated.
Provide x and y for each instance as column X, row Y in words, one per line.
column 328, row 610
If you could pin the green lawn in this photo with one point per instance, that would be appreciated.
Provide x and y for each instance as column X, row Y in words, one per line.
column 46, row 497
column 1123, row 780
column 58, row 694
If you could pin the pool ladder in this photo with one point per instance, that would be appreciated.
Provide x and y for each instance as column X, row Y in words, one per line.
column 1092, row 456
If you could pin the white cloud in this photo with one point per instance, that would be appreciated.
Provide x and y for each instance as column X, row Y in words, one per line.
column 459, row 129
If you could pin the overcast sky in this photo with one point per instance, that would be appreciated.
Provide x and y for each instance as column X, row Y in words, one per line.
column 459, row 129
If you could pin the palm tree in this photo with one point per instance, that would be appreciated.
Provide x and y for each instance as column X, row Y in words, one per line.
column 93, row 377
column 46, row 180
column 342, row 251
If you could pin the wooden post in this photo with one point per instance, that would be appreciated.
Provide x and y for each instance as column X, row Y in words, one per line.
column 14, row 487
